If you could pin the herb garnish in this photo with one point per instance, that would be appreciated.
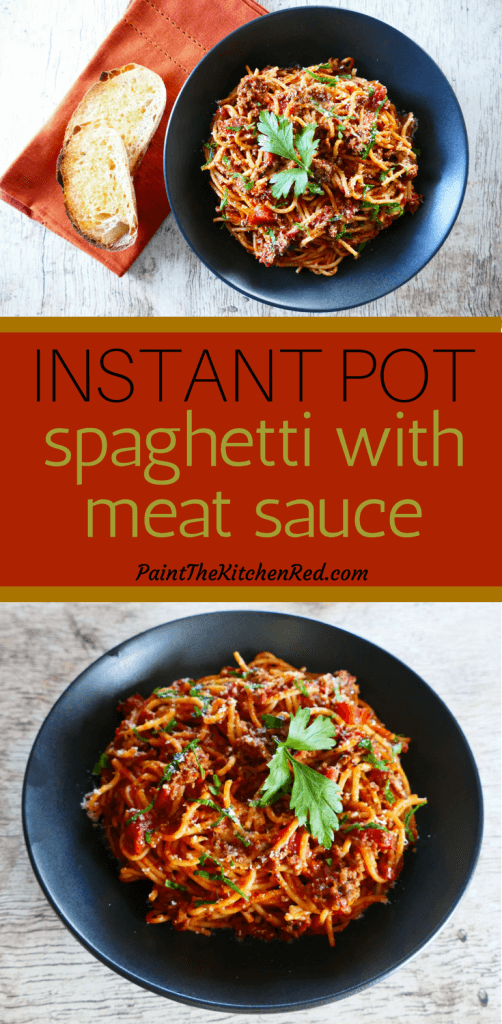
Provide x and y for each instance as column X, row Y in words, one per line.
column 140, row 736
column 167, row 775
column 174, row 885
column 163, row 693
column 224, row 812
column 273, row 721
column 220, row 877
column 374, row 129
column 370, row 756
column 277, row 137
column 314, row 798
column 325, row 81
column 102, row 763
column 300, row 685
column 207, row 699
column 215, row 787
column 388, row 794
column 361, row 828
column 409, row 834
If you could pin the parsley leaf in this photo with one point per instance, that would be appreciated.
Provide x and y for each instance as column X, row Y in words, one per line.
column 139, row 735
column 300, row 685
column 277, row 137
column 162, row 692
column 374, row 129
column 370, row 756
column 139, row 813
column 409, row 834
column 195, row 691
column 102, row 763
column 278, row 776
column 224, row 812
column 388, row 794
column 325, row 81
column 272, row 721
column 220, row 877
column 306, row 145
column 216, row 785
column 315, row 800
column 361, row 828
column 174, row 885
column 317, row 736
column 283, row 181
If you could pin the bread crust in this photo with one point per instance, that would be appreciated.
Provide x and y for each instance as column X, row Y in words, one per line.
column 125, row 106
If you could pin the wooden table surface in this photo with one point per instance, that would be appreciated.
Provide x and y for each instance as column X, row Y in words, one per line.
column 46, row 45
column 47, row 977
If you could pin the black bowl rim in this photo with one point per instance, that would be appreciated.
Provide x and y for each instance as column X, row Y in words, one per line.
column 228, row 1007
column 334, row 309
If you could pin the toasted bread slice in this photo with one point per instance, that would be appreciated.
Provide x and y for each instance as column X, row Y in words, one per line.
column 130, row 99
column 93, row 169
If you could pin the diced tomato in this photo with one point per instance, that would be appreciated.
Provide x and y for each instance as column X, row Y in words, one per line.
column 383, row 839
column 330, row 773
column 352, row 714
column 260, row 215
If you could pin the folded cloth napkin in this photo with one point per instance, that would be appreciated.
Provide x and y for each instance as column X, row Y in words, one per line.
column 167, row 36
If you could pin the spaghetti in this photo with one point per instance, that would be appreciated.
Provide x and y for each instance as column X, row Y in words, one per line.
column 357, row 182
column 180, row 792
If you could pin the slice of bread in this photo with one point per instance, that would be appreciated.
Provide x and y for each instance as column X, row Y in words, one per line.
column 93, row 169
column 131, row 100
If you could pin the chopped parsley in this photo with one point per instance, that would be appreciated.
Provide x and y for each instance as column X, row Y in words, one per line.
column 370, row 756
column 374, row 129
column 216, row 785
column 388, row 794
column 139, row 735
column 325, row 81
column 362, row 828
column 224, row 812
column 174, row 885
column 220, row 877
column 272, row 721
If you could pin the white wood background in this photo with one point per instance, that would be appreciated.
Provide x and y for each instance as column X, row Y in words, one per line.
column 46, row 44
column 47, row 977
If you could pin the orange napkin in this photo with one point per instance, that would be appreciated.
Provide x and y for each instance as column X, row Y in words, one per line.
column 167, row 36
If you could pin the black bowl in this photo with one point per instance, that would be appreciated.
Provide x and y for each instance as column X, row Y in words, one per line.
column 80, row 878
column 308, row 35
